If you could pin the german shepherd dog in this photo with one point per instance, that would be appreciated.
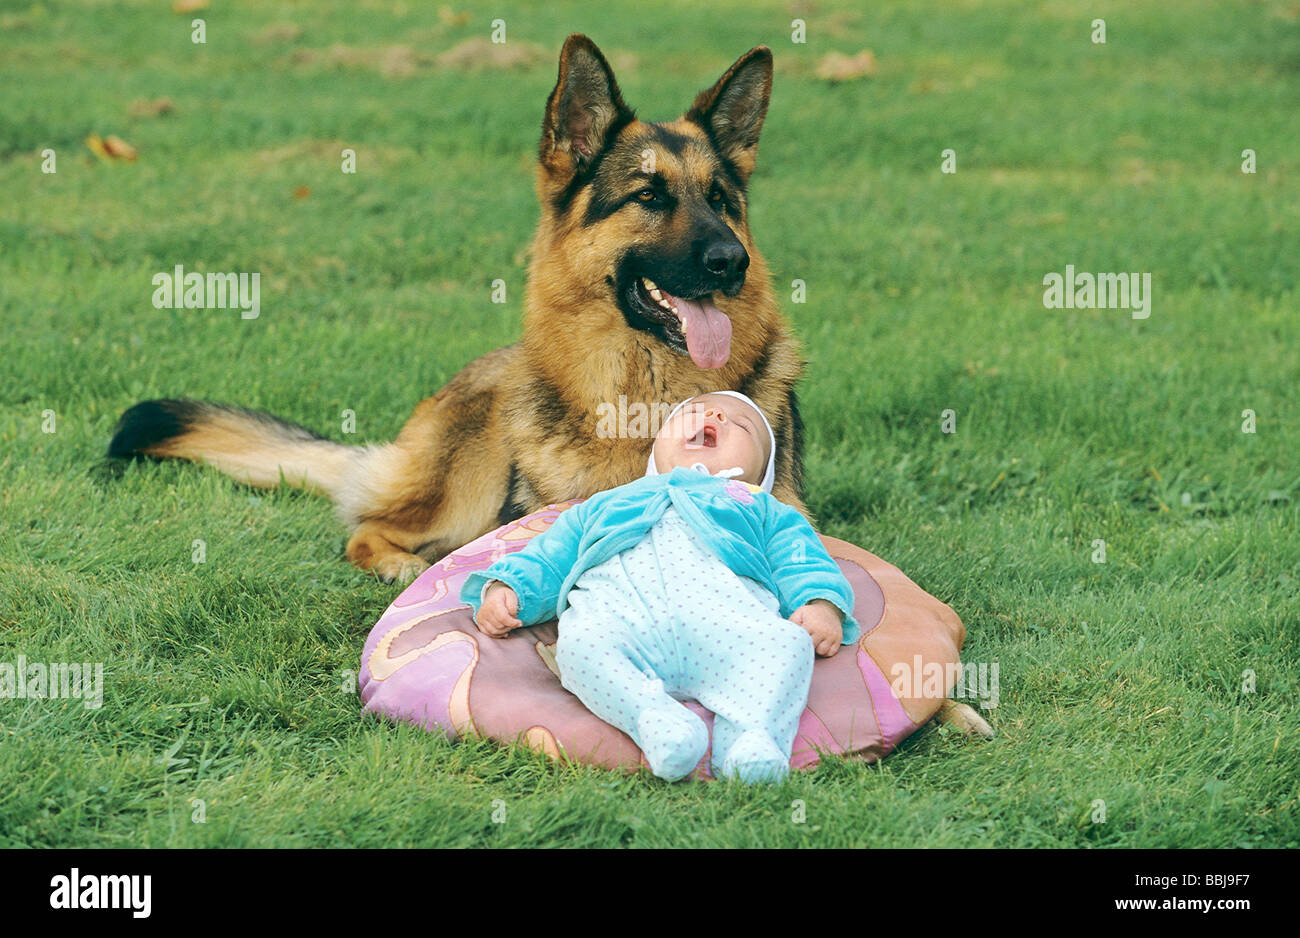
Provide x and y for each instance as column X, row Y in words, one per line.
column 644, row 286
column 628, row 207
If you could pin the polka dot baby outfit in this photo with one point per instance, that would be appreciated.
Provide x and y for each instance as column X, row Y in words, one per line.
column 666, row 620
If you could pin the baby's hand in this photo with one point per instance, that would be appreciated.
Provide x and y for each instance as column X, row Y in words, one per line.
column 496, row 616
column 824, row 622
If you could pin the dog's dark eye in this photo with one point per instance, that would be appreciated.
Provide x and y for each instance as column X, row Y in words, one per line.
column 717, row 199
column 655, row 198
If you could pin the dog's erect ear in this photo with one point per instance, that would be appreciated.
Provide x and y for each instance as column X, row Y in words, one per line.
column 732, row 111
column 583, row 110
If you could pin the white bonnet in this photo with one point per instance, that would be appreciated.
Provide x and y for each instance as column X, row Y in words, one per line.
column 768, row 477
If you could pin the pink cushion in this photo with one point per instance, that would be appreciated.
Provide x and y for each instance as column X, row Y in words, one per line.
column 425, row 662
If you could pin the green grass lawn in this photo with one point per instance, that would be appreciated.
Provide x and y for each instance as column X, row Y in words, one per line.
column 224, row 695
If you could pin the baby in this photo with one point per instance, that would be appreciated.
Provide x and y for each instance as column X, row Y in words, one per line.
column 684, row 585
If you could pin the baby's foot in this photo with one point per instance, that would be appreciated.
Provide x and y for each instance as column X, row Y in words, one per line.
column 674, row 741
column 755, row 757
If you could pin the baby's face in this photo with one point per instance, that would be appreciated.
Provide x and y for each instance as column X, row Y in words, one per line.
column 718, row 430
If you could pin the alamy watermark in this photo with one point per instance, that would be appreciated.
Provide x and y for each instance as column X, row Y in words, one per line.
column 635, row 420
column 36, row 680
column 79, row 890
column 1098, row 291
column 932, row 679
column 179, row 290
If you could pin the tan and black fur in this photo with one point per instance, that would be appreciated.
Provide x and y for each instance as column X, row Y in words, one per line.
column 515, row 429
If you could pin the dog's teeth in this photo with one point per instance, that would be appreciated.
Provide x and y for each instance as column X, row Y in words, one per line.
column 659, row 297
column 649, row 284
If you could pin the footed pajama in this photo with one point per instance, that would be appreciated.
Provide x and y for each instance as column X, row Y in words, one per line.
column 665, row 621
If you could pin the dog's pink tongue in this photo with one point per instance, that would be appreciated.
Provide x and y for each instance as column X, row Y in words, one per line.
column 708, row 332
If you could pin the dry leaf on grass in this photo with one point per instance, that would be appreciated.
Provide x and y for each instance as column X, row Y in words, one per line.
column 836, row 66
column 189, row 6
column 111, row 148
column 301, row 192
column 144, row 107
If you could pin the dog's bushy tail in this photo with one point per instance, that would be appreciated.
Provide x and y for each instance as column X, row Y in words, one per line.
column 253, row 447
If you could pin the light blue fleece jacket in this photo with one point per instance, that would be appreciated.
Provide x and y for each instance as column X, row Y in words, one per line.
column 752, row 532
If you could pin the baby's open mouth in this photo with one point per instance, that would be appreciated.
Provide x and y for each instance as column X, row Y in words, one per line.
column 705, row 436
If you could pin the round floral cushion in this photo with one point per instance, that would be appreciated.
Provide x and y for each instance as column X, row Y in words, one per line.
column 425, row 662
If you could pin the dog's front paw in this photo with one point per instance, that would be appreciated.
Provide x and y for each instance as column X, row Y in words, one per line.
column 399, row 568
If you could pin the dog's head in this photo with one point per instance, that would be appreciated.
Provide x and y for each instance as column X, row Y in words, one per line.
column 652, row 218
